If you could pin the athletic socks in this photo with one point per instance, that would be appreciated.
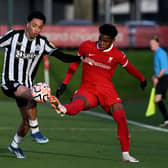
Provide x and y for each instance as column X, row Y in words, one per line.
column 16, row 141
column 34, row 126
column 123, row 132
column 75, row 107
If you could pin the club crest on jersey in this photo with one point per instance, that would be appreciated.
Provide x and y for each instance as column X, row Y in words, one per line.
column 110, row 59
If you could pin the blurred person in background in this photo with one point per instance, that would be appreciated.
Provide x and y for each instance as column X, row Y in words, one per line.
column 24, row 49
column 101, row 60
column 160, row 77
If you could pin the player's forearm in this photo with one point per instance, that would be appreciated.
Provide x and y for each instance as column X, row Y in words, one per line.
column 65, row 57
column 134, row 72
column 71, row 70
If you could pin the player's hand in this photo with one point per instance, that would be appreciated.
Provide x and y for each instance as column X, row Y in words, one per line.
column 60, row 90
column 143, row 84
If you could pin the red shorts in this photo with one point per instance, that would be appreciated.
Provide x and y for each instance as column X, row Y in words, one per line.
column 105, row 96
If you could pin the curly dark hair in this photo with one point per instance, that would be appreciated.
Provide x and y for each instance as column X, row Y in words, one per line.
column 109, row 30
column 38, row 15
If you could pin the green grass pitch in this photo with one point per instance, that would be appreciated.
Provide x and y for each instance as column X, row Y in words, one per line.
column 80, row 141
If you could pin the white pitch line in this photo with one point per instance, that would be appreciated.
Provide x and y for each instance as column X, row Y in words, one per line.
column 129, row 121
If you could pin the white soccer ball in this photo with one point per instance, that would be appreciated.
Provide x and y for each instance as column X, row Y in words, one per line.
column 41, row 92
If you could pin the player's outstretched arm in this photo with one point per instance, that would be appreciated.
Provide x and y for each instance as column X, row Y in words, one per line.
column 65, row 57
column 134, row 72
column 71, row 70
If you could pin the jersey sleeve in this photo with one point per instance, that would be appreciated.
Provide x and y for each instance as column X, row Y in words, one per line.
column 123, row 60
column 5, row 40
column 71, row 70
column 73, row 66
column 49, row 47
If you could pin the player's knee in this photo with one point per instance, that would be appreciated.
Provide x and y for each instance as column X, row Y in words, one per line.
column 119, row 116
column 86, row 103
column 115, row 107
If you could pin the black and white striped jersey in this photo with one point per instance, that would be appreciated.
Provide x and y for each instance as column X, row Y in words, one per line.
column 22, row 56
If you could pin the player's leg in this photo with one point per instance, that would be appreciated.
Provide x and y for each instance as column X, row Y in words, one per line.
column 161, row 89
column 81, row 100
column 31, row 112
column 112, row 104
column 21, row 132
column 79, row 103
column 118, row 113
column 29, row 120
column 23, row 92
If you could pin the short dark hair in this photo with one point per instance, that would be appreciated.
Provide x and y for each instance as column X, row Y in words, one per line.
column 156, row 38
column 38, row 15
column 109, row 30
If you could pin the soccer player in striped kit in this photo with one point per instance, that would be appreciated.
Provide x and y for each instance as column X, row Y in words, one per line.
column 101, row 60
column 24, row 50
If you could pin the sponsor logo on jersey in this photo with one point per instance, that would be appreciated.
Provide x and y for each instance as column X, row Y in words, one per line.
column 23, row 55
column 95, row 63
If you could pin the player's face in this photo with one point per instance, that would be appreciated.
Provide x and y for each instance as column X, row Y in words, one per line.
column 104, row 42
column 154, row 45
column 34, row 28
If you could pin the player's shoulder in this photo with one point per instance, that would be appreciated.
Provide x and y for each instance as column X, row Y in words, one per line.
column 117, row 51
column 12, row 32
column 87, row 43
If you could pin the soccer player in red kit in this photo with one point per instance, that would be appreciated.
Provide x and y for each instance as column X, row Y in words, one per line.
column 101, row 60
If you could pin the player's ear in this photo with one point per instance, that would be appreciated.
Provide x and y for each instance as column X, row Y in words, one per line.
column 27, row 24
column 113, row 40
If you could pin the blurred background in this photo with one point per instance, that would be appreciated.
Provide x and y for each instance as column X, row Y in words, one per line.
column 131, row 16
column 95, row 11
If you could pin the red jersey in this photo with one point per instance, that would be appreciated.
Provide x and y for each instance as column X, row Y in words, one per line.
column 99, row 66
column 104, row 63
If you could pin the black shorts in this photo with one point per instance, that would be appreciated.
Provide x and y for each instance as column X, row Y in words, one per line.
column 162, row 86
column 9, row 88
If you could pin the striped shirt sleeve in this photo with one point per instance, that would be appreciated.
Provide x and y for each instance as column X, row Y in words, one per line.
column 5, row 40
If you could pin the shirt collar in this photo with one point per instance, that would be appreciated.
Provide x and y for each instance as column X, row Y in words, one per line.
column 106, row 49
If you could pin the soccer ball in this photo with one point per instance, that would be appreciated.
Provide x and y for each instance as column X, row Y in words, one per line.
column 41, row 92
